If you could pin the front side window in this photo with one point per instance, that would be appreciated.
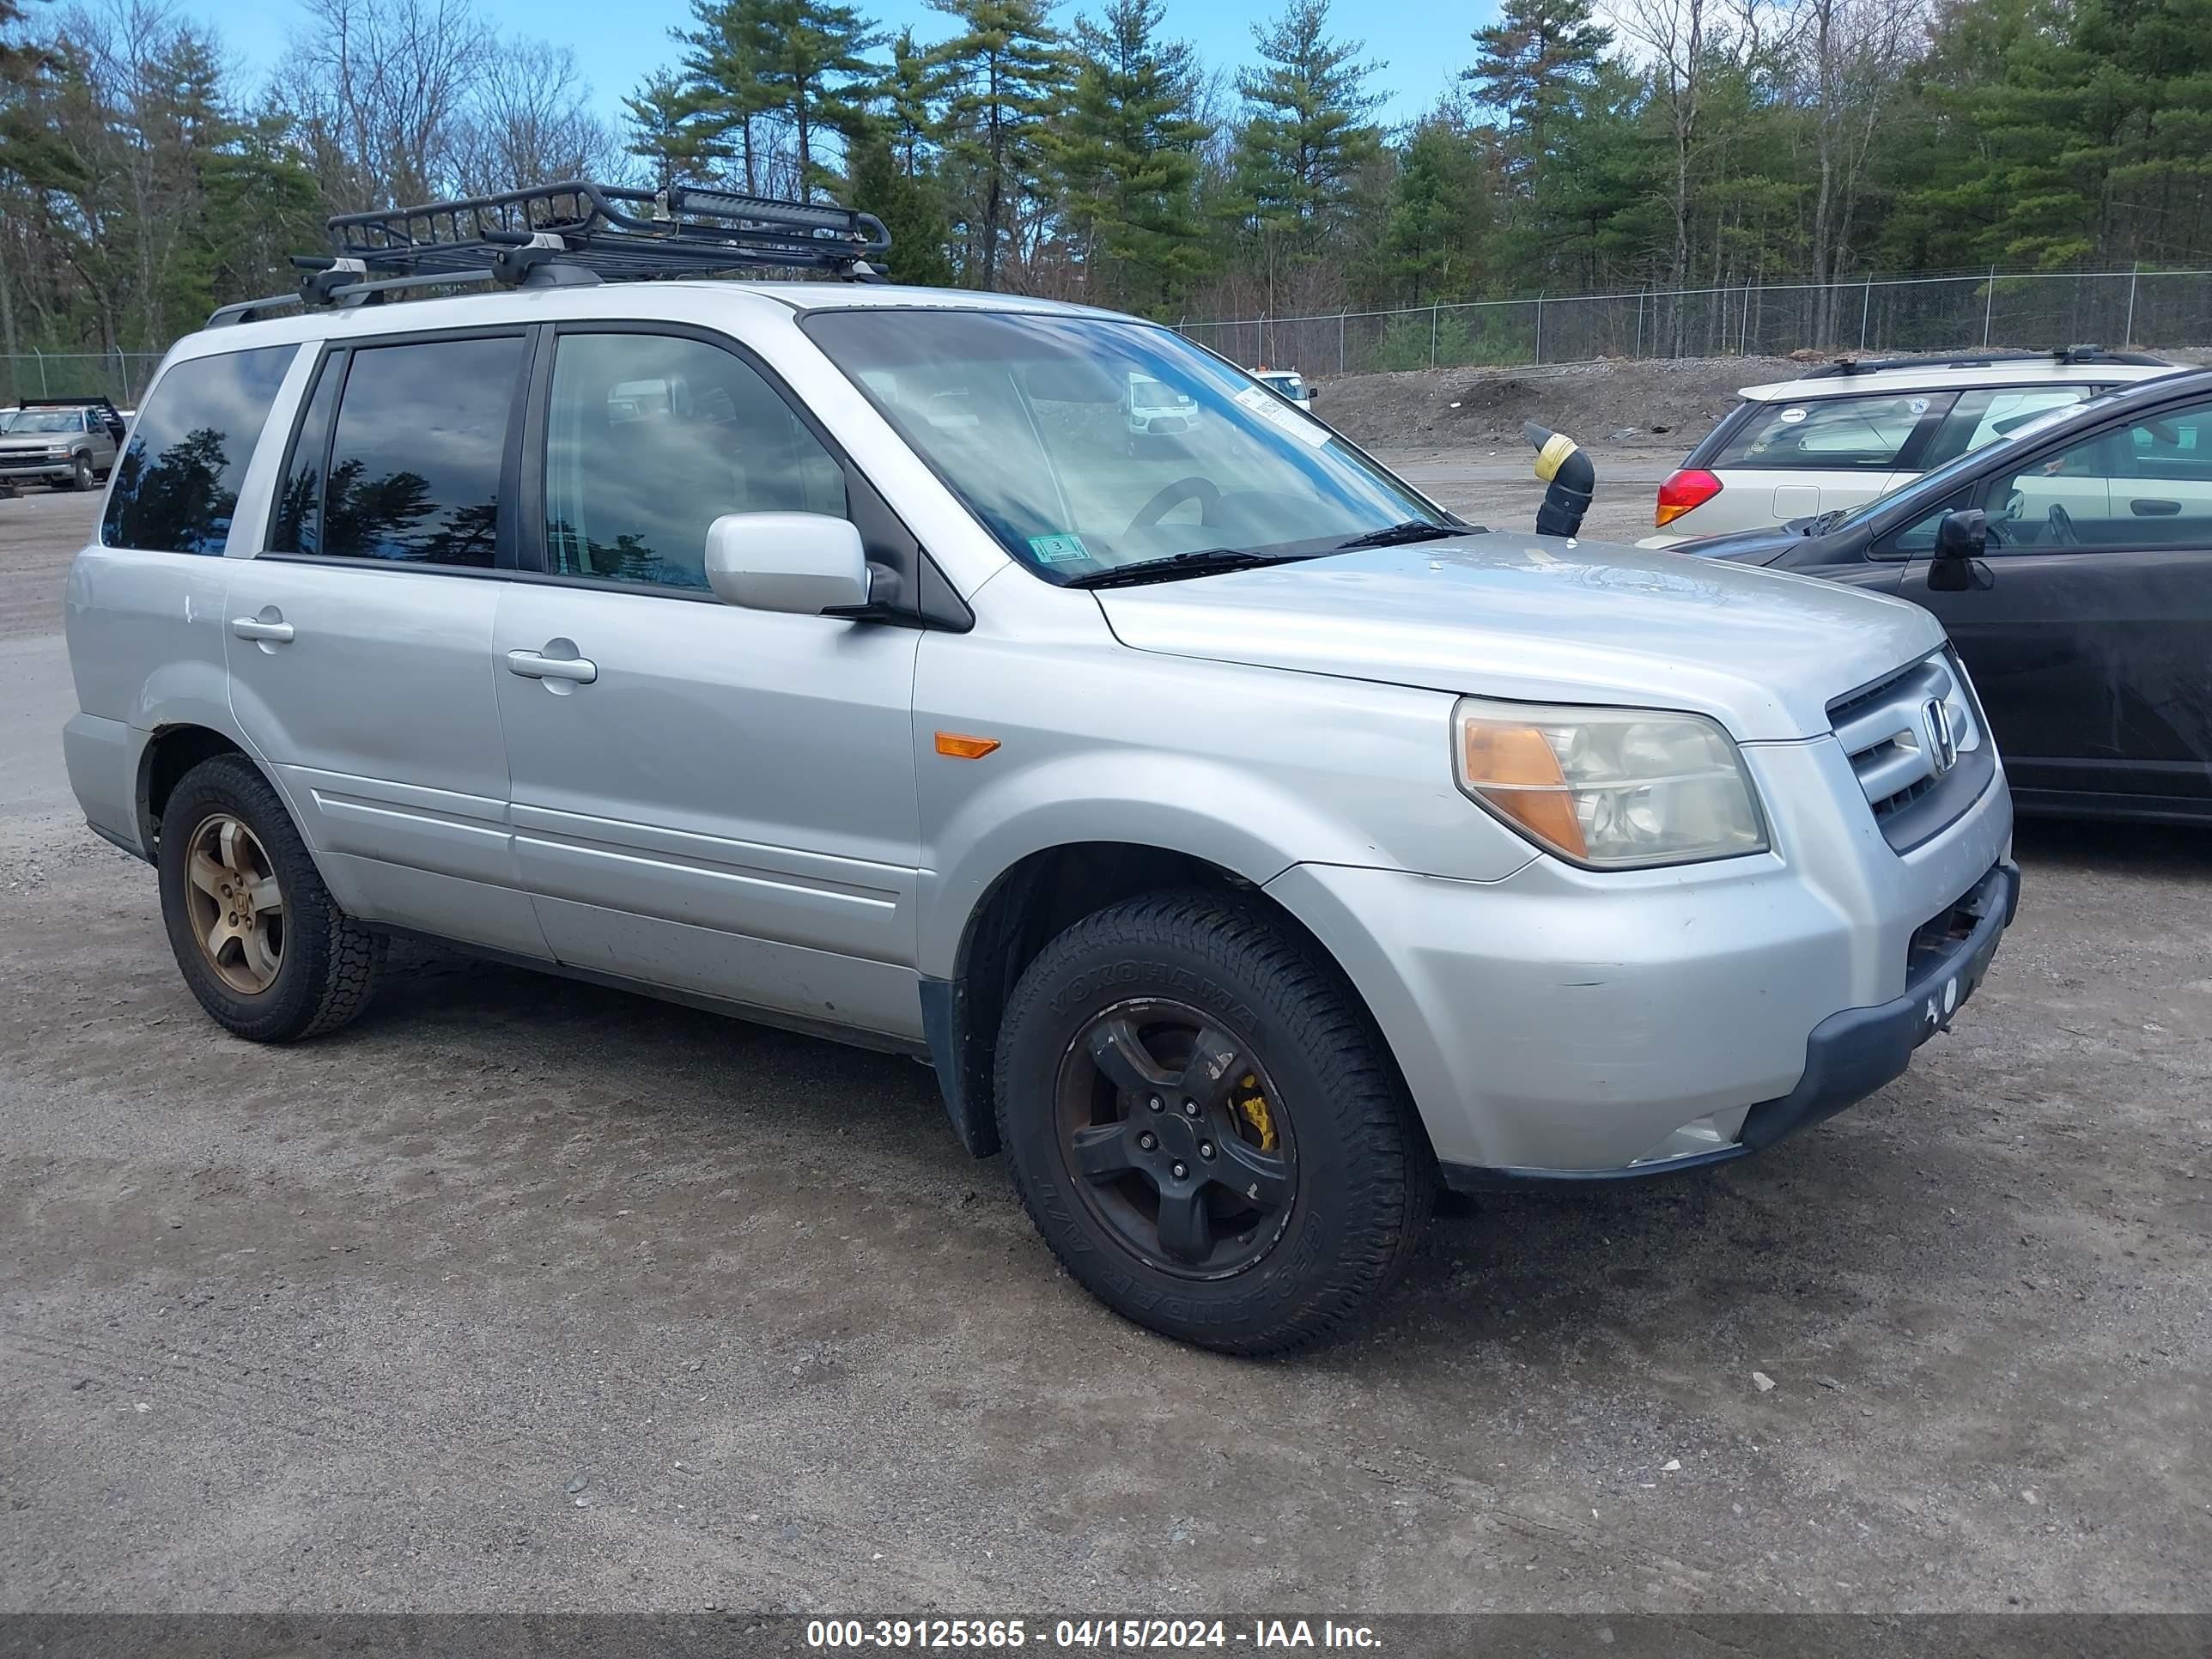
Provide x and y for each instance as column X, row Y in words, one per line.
column 1030, row 421
column 1861, row 433
column 2146, row 485
column 176, row 482
column 415, row 452
column 650, row 439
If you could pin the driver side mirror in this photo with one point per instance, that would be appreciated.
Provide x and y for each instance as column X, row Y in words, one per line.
column 1961, row 538
column 804, row 564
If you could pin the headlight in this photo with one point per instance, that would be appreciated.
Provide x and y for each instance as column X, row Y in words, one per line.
column 1611, row 787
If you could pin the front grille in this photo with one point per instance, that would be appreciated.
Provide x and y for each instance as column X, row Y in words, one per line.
column 1911, row 738
column 1938, row 936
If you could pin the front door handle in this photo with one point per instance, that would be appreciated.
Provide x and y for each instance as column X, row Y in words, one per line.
column 270, row 630
column 533, row 666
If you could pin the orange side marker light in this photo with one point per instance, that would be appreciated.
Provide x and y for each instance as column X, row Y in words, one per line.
column 960, row 748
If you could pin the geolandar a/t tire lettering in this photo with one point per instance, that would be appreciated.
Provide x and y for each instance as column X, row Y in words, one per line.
column 258, row 937
column 1203, row 1123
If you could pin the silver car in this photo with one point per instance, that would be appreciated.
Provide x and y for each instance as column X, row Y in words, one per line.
column 66, row 442
column 1252, row 847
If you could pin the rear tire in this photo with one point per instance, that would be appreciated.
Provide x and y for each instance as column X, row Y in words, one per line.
column 1249, row 1231
column 224, row 821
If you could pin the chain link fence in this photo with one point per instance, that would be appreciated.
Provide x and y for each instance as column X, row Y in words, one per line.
column 119, row 376
column 2038, row 309
column 2031, row 309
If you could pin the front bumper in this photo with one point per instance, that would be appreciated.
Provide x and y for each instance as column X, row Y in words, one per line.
column 37, row 471
column 1564, row 1024
column 1848, row 1056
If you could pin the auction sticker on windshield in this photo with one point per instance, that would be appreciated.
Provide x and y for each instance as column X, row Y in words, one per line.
column 1270, row 408
column 1059, row 549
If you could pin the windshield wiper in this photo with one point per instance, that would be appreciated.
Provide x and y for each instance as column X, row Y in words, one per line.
column 1205, row 562
column 1413, row 530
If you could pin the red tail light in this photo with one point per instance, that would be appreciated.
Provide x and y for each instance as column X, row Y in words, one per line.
column 1685, row 489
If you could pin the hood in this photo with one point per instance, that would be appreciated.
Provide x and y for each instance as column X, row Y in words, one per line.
column 1761, row 546
column 40, row 441
column 1542, row 619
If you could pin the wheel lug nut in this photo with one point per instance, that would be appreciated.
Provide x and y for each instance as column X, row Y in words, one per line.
column 1181, row 1170
column 1190, row 1109
column 1154, row 1103
column 1147, row 1142
column 1206, row 1149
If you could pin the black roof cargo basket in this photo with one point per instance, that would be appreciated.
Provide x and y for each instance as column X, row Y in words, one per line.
column 2081, row 356
column 577, row 232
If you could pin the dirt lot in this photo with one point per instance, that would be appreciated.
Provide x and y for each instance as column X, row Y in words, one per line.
column 524, row 1294
column 1659, row 404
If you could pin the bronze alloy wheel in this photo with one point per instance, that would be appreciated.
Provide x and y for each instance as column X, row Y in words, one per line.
column 235, row 904
column 1175, row 1137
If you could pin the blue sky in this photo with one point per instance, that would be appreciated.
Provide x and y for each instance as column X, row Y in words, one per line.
column 617, row 44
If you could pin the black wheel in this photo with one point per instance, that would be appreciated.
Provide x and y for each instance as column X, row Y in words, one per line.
column 83, row 476
column 261, row 942
column 1204, row 1126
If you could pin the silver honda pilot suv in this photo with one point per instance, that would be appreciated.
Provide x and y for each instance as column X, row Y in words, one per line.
column 1252, row 847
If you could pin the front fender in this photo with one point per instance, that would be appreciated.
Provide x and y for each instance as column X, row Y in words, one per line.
column 1178, row 803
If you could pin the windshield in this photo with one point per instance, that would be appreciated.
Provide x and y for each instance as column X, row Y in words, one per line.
column 45, row 420
column 1940, row 479
column 1024, row 416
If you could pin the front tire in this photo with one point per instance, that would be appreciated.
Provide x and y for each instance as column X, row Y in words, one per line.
column 1203, row 1125
column 83, row 476
column 258, row 937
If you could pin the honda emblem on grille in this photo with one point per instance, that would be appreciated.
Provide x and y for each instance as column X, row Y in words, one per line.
column 1942, row 742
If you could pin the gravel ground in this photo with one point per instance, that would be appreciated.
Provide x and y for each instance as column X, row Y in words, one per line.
column 522, row 1294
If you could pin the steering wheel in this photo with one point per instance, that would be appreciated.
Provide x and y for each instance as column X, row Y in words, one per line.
column 2058, row 527
column 1173, row 495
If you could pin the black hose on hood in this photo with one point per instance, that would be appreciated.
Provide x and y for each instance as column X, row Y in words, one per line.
column 1571, row 477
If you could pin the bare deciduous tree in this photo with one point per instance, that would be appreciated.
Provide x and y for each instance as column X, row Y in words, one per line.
column 529, row 121
column 1851, row 58
column 383, row 87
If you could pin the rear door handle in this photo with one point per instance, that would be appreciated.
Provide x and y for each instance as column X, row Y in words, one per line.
column 253, row 628
column 2154, row 509
column 533, row 666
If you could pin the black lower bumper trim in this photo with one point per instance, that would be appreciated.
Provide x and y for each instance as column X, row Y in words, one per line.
column 1848, row 1056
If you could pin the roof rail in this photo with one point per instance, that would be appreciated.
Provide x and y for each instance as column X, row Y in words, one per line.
column 576, row 232
column 2069, row 356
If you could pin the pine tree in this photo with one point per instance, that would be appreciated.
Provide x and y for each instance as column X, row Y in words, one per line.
column 1307, row 131
column 909, row 205
column 1533, row 65
column 1126, row 158
column 1003, row 73
column 725, row 75
column 911, row 86
column 1439, row 215
column 813, row 73
column 670, row 129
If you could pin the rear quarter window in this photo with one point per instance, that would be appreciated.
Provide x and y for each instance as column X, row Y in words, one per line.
column 1827, row 435
column 176, row 483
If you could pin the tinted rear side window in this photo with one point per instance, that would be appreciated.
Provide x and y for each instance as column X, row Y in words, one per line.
column 1829, row 434
column 176, row 483
column 415, row 455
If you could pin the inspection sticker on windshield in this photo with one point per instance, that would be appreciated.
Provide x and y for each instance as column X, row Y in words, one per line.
column 1059, row 549
column 1270, row 408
